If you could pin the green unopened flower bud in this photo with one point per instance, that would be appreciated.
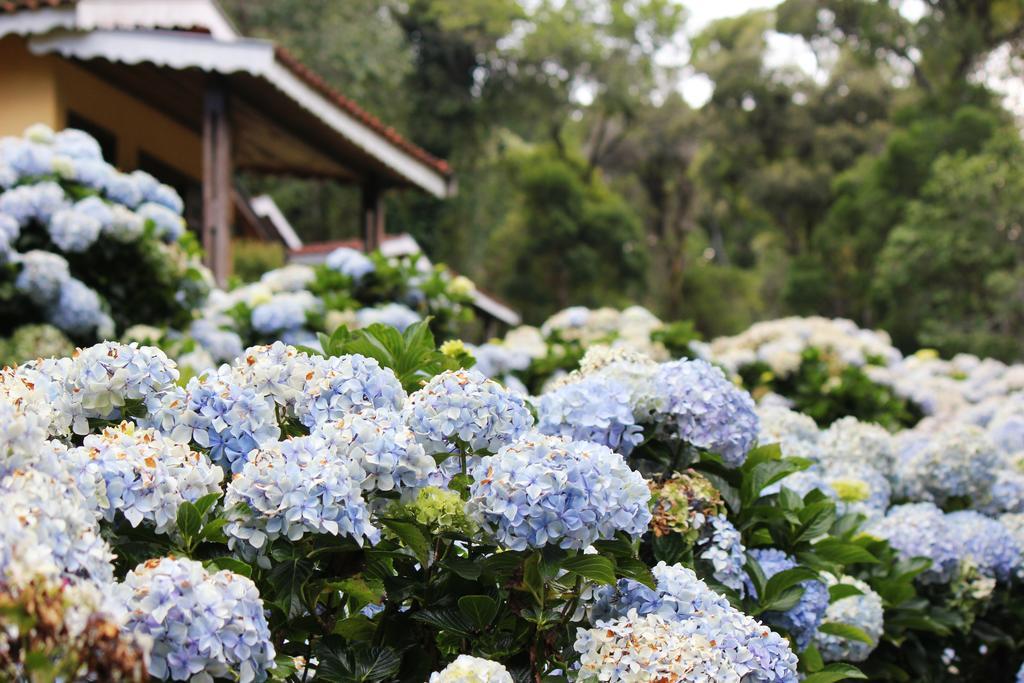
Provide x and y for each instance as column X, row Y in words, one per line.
column 851, row 490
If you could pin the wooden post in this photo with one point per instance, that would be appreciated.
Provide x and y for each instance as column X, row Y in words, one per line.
column 217, row 181
column 373, row 216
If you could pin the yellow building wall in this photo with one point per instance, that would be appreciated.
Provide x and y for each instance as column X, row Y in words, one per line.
column 42, row 89
column 138, row 126
column 28, row 88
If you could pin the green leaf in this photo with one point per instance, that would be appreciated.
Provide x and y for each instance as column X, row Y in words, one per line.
column 841, row 552
column 212, row 530
column 594, row 567
column 835, row 672
column 785, row 580
column 846, row 631
column 817, row 518
column 232, row 565
column 786, row 600
column 479, row 609
column 532, row 579
column 632, row 568
column 411, row 537
column 445, row 620
column 842, row 590
column 811, row 659
column 502, row 565
column 204, row 504
column 356, row 628
column 288, row 578
column 361, row 664
column 464, row 567
column 189, row 521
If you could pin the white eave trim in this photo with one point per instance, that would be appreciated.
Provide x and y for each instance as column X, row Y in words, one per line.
column 88, row 15
column 495, row 309
column 178, row 50
column 264, row 206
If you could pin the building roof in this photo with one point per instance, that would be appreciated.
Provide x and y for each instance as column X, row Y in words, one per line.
column 278, row 94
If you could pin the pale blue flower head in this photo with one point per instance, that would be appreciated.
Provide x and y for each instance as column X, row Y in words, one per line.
column 596, row 408
column 957, row 462
column 341, row 385
column 382, row 451
column 202, row 624
column 462, row 408
column 394, row 315
column 722, row 548
column 42, row 276
column 988, row 542
column 167, row 224
column 143, row 475
column 920, row 530
column 285, row 311
column 293, row 488
column 702, row 408
column 222, row 344
column 38, row 202
column 79, row 311
column 543, row 490
column 350, row 262
column 864, row 611
column 76, row 144
column 123, row 189
column 74, row 231
column 802, row 620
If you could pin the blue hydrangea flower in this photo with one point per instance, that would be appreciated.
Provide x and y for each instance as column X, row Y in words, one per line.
column 858, row 488
column 797, row 434
column 79, row 311
column 987, row 541
column 42, row 276
column 1007, row 492
column 462, row 408
column 755, row 652
column 219, row 413
column 202, row 624
column 723, row 549
column 347, row 384
column 124, row 225
column 76, row 144
column 47, row 529
column 27, row 157
column 802, row 620
column 143, row 475
column 350, row 262
column 497, row 360
column 544, row 490
column 865, row 611
column 382, row 450
column 959, row 461
column 104, row 376
column 9, row 228
column 920, row 530
column 594, row 409
column 37, row 202
column 277, row 370
column 168, row 225
column 123, row 189
column 1020, row 674
column 74, row 231
column 222, row 344
column 293, row 488
column 392, row 314
column 285, row 311
column 701, row 407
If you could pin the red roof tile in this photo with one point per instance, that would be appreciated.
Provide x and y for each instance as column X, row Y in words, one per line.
column 316, row 82
column 18, row 5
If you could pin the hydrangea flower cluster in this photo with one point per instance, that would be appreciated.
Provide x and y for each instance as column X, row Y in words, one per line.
column 47, row 529
column 342, row 385
column 142, row 474
column 218, row 412
column 704, row 409
column 797, row 434
column 864, row 611
column 469, row 669
column 958, row 462
column 293, row 488
column 723, row 549
column 351, row 262
column 441, row 510
column 284, row 312
column 544, row 490
column 202, row 624
column 463, row 409
column 802, row 620
column 594, row 409
column 639, row 649
column 383, row 453
column 391, row 314
column 920, row 530
column 850, row 440
column 988, row 542
column 755, row 652
column 684, row 504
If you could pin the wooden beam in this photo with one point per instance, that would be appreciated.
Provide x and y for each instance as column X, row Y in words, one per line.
column 217, row 181
column 373, row 215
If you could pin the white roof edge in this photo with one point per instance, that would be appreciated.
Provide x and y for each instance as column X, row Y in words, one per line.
column 178, row 50
column 264, row 206
column 496, row 309
column 88, row 15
